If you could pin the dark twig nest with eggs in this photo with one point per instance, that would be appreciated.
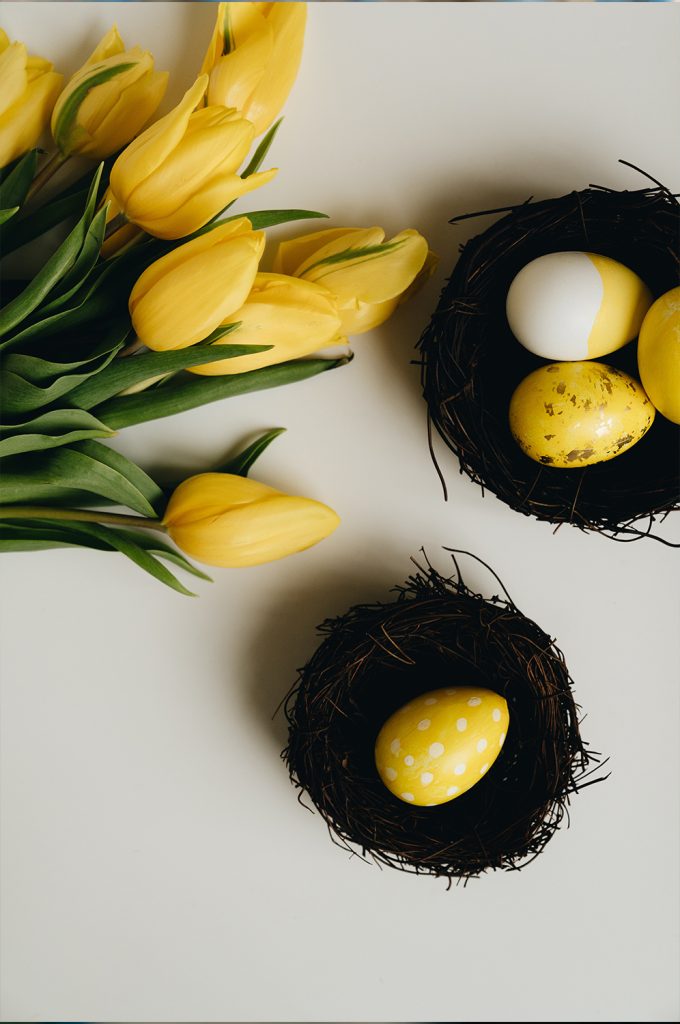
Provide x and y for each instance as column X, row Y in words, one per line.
column 471, row 363
column 377, row 657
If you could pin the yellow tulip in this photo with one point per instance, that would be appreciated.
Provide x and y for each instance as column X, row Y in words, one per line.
column 181, row 298
column 231, row 521
column 295, row 317
column 108, row 100
column 367, row 276
column 181, row 172
column 254, row 56
column 28, row 91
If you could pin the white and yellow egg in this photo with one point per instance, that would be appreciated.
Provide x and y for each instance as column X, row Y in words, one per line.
column 659, row 355
column 576, row 305
column 436, row 747
column 568, row 415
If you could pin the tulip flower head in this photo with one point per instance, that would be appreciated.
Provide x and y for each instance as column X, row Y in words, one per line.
column 295, row 317
column 181, row 172
column 108, row 100
column 254, row 56
column 231, row 521
column 367, row 276
column 184, row 296
column 28, row 91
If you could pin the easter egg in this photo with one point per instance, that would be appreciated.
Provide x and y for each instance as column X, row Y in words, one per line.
column 569, row 415
column 439, row 745
column 659, row 355
column 576, row 305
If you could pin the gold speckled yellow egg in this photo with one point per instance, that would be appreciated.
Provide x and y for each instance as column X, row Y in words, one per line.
column 576, row 305
column 659, row 355
column 568, row 415
column 439, row 745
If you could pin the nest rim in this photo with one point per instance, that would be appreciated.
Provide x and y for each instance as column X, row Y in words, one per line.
column 468, row 341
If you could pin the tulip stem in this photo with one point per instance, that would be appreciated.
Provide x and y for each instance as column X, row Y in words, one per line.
column 130, row 349
column 81, row 515
column 53, row 164
column 118, row 222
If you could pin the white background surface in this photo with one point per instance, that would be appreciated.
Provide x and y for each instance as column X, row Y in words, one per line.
column 155, row 862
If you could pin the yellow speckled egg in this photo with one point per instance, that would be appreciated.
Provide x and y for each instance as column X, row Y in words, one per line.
column 659, row 355
column 439, row 745
column 576, row 305
column 568, row 415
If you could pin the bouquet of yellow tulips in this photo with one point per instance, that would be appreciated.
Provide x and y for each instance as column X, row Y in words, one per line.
column 154, row 302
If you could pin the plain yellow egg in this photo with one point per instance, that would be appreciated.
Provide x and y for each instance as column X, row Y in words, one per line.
column 439, row 745
column 659, row 355
column 568, row 415
column 576, row 305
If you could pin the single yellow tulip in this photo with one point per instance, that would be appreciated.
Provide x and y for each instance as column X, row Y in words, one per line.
column 367, row 276
column 295, row 317
column 181, row 172
column 254, row 56
column 28, row 91
column 108, row 100
column 182, row 297
column 231, row 521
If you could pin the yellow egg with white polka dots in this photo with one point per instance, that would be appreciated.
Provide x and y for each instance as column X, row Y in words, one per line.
column 439, row 745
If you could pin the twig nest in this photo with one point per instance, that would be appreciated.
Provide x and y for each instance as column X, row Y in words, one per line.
column 472, row 363
column 437, row 635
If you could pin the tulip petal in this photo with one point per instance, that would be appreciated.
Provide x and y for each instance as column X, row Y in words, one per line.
column 148, row 151
column 24, row 123
column 296, row 317
column 368, row 275
column 216, row 44
column 202, row 207
column 293, row 253
column 236, row 75
column 359, row 317
column 189, row 301
column 13, row 80
column 211, row 494
column 101, row 99
column 261, row 531
column 189, row 167
column 4, row 40
column 288, row 24
column 108, row 46
column 133, row 109
column 182, row 253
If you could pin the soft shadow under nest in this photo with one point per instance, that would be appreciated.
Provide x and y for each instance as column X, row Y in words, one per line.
column 377, row 657
column 471, row 363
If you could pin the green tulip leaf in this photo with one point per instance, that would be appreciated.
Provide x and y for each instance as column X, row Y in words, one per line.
column 143, row 550
column 86, row 466
column 30, row 382
column 241, row 464
column 51, row 430
column 260, row 153
column 66, row 121
column 68, row 203
column 16, row 185
column 87, row 257
column 188, row 391
column 52, row 272
column 128, row 371
column 6, row 215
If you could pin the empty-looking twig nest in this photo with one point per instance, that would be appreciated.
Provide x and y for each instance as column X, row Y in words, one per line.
column 374, row 659
column 471, row 363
